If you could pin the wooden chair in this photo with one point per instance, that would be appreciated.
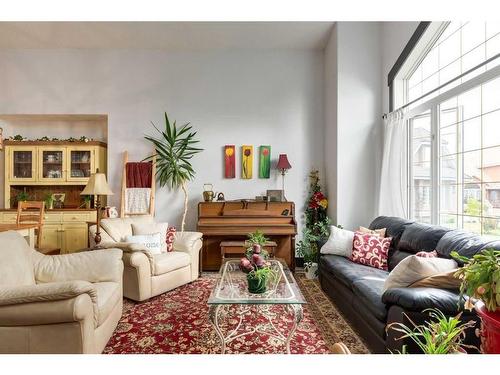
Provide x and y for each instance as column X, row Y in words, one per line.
column 32, row 212
column 340, row 348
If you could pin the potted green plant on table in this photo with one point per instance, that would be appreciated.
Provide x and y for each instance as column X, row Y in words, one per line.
column 49, row 201
column 22, row 196
column 255, row 264
column 174, row 150
column 480, row 277
column 439, row 335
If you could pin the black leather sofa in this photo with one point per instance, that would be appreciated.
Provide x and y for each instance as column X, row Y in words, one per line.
column 357, row 290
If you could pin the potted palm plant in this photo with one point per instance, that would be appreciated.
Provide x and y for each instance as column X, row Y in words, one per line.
column 174, row 149
column 480, row 277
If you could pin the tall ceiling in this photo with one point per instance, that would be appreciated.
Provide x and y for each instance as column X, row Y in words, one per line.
column 165, row 35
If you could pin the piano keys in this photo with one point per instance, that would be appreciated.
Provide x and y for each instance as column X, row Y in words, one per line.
column 234, row 220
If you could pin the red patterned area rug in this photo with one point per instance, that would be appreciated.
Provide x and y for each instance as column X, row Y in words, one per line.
column 177, row 322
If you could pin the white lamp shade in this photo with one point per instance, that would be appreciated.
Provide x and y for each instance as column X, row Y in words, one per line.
column 97, row 185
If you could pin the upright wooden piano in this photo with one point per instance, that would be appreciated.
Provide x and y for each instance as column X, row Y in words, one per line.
column 234, row 220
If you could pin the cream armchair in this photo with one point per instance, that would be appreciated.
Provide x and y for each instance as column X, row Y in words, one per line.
column 147, row 275
column 57, row 304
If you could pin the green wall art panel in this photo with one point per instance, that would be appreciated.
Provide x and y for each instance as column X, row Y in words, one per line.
column 265, row 161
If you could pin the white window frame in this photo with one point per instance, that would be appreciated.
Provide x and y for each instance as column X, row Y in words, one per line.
column 432, row 105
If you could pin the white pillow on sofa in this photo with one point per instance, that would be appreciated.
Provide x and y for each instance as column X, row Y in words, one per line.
column 414, row 268
column 152, row 242
column 339, row 242
column 151, row 228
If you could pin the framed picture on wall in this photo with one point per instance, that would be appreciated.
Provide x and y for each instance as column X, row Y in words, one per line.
column 274, row 195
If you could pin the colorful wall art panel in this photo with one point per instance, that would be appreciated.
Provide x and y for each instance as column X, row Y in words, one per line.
column 264, row 161
column 246, row 162
column 229, row 161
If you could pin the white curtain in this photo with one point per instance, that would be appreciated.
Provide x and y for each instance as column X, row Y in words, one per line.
column 393, row 199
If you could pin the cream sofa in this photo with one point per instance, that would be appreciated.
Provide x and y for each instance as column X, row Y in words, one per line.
column 57, row 304
column 147, row 275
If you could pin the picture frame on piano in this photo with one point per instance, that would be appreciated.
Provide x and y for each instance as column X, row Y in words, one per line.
column 275, row 195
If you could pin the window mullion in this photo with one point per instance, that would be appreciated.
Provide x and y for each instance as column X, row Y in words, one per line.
column 435, row 164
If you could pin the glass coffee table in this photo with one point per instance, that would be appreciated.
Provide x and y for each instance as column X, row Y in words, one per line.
column 231, row 301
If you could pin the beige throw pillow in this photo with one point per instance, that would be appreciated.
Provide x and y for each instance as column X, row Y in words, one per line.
column 150, row 228
column 375, row 232
column 339, row 242
column 414, row 268
column 445, row 280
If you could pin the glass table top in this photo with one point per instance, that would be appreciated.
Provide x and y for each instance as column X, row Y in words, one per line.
column 232, row 286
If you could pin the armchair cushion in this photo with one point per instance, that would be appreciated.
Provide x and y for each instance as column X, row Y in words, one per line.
column 418, row 299
column 186, row 241
column 119, row 228
column 16, row 267
column 93, row 266
column 167, row 262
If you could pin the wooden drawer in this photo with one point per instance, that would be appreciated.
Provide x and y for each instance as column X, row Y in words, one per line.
column 52, row 217
column 9, row 217
column 76, row 217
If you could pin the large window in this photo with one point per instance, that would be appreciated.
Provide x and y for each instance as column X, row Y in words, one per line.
column 454, row 135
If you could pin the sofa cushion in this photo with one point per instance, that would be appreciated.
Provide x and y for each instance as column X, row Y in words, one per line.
column 465, row 243
column 119, row 228
column 16, row 265
column 418, row 299
column 347, row 271
column 368, row 291
column 170, row 261
column 108, row 295
column 420, row 237
column 394, row 227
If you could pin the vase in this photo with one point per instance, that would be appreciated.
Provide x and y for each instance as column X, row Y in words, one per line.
column 311, row 271
column 257, row 285
column 490, row 329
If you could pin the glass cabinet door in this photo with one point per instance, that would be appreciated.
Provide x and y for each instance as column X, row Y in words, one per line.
column 22, row 165
column 52, row 164
column 81, row 164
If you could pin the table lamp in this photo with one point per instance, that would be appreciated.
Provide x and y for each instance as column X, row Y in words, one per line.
column 283, row 166
column 97, row 186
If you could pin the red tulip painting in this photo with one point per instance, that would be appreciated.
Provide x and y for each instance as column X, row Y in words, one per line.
column 229, row 162
column 265, row 162
column 246, row 162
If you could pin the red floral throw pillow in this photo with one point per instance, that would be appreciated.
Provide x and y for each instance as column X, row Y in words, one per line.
column 427, row 254
column 170, row 238
column 370, row 250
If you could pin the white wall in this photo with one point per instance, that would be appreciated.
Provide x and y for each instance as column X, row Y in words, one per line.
column 231, row 97
column 353, row 122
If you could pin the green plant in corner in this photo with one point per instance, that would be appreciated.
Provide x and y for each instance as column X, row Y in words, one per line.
column 480, row 277
column 439, row 335
column 174, row 149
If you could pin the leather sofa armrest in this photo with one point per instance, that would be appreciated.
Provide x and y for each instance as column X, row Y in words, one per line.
column 419, row 299
column 19, row 297
column 93, row 266
column 74, row 309
column 188, row 242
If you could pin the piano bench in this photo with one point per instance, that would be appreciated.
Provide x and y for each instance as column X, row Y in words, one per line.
column 238, row 248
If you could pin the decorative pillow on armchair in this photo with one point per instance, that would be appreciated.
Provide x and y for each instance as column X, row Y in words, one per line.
column 152, row 242
column 151, row 228
column 170, row 238
column 370, row 250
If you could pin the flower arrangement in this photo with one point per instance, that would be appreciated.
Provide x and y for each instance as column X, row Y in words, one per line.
column 481, row 278
column 317, row 224
column 255, row 264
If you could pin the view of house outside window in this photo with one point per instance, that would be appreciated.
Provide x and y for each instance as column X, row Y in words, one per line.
column 466, row 165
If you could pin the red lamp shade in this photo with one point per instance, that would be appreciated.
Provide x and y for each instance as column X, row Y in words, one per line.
column 283, row 162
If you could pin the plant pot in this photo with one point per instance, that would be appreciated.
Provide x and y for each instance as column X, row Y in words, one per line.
column 257, row 285
column 311, row 271
column 490, row 329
